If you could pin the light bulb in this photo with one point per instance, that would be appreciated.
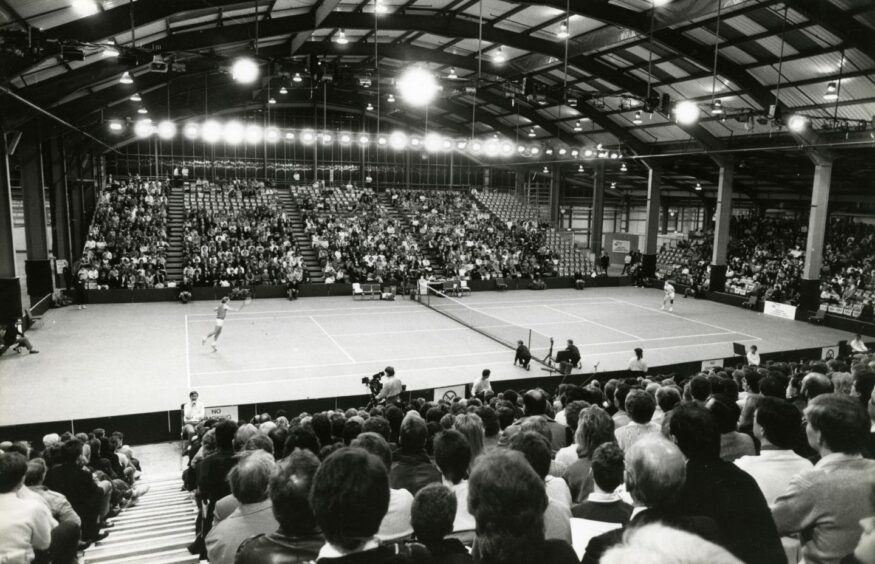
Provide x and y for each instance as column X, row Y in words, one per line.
column 341, row 38
column 686, row 112
column 244, row 70
column 126, row 78
column 499, row 57
column 452, row 73
column 563, row 31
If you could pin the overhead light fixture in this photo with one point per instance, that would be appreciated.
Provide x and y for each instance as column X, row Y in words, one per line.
column 144, row 128
column 233, row 133
column 534, row 150
column 115, row 125
column 136, row 97
column 307, row 137
column 369, row 107
column 562, row 151
column 272, row 135
column 532, row 132
column 832, row 92
column 548, row 151
column 580, row 169
column 398, row 140
column 587, row 153
column 190, row 131
column 476, row 146
column 623, row 168
column 244, row 70
column 452, row 74
column 686, row 112
column 253, row 134
column 271, row 100
column 577, row 126
column 391, row 98
column 417, row 86
column 142, row 110
column 345, row 138
column 111, row 51
column 297, row 77
column 698, row 186
column 211, row 131
column 380, row 7
column 364, row 139
column 290, row 136
column 716, row 107
column 460, row 145
column 327, row 138
column 433, row 142
column 797, row 123
column 563, row 31
column 126, row 78
column 637, row 119
column 615, row 155
column 85, row 7
column 382, row 141
column 498, row 57
column 284, row 90
column 341, row 38
column 546, row 170
column 613, row 185
column 166, row 129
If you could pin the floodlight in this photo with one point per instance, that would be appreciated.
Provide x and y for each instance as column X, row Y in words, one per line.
column 190, row 131
column 233, row 132
column 417, row 86
column 211, row 131
column 244, row 70
column 126, row 78
column 398, row 140
column 144, row 128
column 307, row 137
column 686, row 112
column 115, row 125
column 166, row 129
column 797, row 123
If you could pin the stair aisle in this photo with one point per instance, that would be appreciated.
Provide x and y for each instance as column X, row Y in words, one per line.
column 157, row 530
column 401, row 216
column 311, row 260
column 175, row 220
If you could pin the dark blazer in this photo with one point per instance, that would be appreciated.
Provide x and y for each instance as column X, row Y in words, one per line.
column 278, row 548
column 78, row 486
column 412, row 472
column 704, row 527
column 449, row 551
column 730, row 496
column 615, row 512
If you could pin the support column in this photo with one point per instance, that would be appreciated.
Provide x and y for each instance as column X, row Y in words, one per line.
column 487, row 180
column 598, row 208
column 10, row 287
column 721, row 228
column 810, row 283
column 555, row 180
column 519, row 184
column 651, row 221
column 60, row 203
column 37, row 266
column 407, row 168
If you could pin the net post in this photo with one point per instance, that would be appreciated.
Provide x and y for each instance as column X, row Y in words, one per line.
column 530, row 339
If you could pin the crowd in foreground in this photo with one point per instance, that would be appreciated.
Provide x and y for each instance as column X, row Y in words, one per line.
column 57, row 498
column 757, row 465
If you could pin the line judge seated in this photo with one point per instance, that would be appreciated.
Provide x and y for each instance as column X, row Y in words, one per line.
column 192, row 414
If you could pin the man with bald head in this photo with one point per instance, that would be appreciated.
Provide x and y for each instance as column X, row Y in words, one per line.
column 655, row 475
column 815, row 384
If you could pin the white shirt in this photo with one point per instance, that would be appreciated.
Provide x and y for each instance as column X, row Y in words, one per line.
column 628, row 434
column 193, row 412
column 558, row 490
column 26, row 524
column 464, row 521
column 753, row 358
column 481, row 385
column 772, row 470
column 669, row 290
column 857, row 345
column 636, row 365
column 396, row 521
column 567, row 455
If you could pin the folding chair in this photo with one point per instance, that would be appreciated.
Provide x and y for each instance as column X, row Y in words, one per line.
column 357, row 290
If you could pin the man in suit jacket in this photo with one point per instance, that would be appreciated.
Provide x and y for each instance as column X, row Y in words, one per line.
column 79, row 487
column 826, row 503
column 212, row 483
column 655, row 476
column 720, row 490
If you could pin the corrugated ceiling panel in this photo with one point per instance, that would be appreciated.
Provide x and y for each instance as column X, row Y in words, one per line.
column 859, row 59
column 821, row 36
column 702, row 35
column 737, row 56
column 773, row 45
column 491, row 8
column 745, row 25
column 858, row 111
column 668, row 133
column 698, row 87
column 672, row 69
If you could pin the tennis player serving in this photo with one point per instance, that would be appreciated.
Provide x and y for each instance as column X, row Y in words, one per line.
column 221, row 311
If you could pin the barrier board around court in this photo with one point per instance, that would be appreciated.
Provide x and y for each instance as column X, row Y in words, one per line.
column 222, row 412
column 713, row 363
column 783, row 311
column 449, row 392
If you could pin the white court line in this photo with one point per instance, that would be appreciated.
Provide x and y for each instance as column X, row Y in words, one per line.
column 538, row 302
column 682, row 346
column 187, row 360
column 330, row 338
column 534, row 305
column 751, row 337
column 404, row 359
column 314, row 310
column 594, row 323
column 258, row 316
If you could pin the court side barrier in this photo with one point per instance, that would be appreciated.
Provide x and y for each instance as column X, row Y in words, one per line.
column 164, row 426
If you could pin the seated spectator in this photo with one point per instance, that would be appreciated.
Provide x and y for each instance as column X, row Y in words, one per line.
column 604, row 504
column 568, row 455
column 733, row 444
column 471, row 426
column 411, row 468
column 26, row 523
column 535, row 406
column 594, row 428
column 350, row 497
column 655, row 477
column 249, row 481
column 212, row 483
column 640, row 407
column 452, row 454
column 433, row 514
column 75, row 483
column 192, row 415
column 777, row 424
column 508, row 501
column 536, row 449
column 621, row 418
column 65, row 535
column 297, row 539
column 722, row 491
column 827, row 502
column 658, row 543
column 396, row 523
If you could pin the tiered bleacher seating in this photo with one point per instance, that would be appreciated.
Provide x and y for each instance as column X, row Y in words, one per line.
column 571, row 259
column 237, row 235
column 507, row 206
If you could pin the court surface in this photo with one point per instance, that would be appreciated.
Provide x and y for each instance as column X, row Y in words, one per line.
column 131, row 358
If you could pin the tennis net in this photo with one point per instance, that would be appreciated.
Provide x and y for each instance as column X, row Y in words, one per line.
column 499, row 330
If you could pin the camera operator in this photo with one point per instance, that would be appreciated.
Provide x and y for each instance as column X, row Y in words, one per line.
column 392, row 387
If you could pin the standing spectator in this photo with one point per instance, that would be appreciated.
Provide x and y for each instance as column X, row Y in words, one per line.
column 826, row 503
column 640, row 406
column 249, row 480
column 297, row 539
column 776, row 425
column 433, row 514
column 605, row 262
column 753, row 357
column 26, row 524
column 637, row 366
column 411, row 468
column 508, row 501
column 627, row 263
column 720, row 490
column 350, row 496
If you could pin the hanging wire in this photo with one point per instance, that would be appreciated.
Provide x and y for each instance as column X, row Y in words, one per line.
column 376, row 66
column 650, row 49
column 835, row 111
column 479, row 68
column 716, row 51
column 565, row 69
column 781, row 57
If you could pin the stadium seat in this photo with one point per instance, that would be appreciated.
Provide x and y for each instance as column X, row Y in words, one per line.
column 357, row 290
column 818, row 317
